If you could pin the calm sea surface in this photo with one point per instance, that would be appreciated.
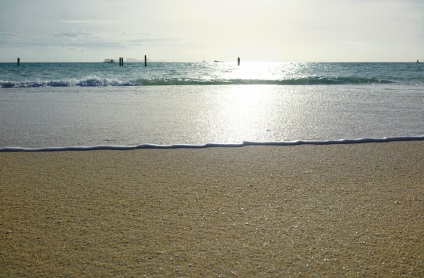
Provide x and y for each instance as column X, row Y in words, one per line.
column 91, row 104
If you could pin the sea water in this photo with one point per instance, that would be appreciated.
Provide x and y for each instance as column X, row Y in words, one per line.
column 45, row 105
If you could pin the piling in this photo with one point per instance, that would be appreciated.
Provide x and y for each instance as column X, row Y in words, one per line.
column 145, row 60
column 238, row 61
column 121, row 61
column 18, row 61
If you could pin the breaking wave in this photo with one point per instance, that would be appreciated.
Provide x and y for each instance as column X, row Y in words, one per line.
column 101, row 82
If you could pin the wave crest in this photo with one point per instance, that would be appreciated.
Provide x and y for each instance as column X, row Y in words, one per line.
column 101, row 82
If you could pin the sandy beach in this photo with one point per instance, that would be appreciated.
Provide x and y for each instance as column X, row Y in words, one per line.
column 256, row 211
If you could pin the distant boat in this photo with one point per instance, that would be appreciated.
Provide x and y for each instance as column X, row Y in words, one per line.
column 418, row 61
column 216, row 61
column 108, row 61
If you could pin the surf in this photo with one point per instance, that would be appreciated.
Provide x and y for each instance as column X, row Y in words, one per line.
column 215, row 145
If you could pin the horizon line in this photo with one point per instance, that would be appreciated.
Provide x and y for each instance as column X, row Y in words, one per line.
column 134, row 60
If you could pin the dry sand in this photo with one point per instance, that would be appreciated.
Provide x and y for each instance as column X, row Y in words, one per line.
column 257, row 211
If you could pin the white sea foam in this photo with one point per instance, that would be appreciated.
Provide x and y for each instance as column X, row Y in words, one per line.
column 215, row 145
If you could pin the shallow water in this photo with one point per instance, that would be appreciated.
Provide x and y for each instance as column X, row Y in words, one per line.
column 166, row 115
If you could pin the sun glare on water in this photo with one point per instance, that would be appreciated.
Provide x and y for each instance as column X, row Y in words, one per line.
column 245, row 113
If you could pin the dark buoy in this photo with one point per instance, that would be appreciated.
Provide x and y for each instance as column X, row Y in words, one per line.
column 238, row 61
column 18, row 61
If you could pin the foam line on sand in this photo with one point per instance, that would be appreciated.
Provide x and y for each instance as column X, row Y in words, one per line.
column 212, row 145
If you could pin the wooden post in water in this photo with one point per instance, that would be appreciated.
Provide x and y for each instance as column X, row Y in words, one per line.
column 145, row 60
column 238, row 61
column 121, row 61
column 18, row 61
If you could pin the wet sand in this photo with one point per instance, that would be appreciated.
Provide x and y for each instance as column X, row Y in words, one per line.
column 255, row 211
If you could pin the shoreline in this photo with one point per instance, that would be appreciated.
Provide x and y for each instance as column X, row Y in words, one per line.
column 303, row 210
column 216, row 145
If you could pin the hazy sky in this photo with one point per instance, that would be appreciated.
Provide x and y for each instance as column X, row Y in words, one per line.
column 195, row 30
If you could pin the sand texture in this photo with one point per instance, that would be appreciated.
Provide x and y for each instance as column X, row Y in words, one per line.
column 258, row 211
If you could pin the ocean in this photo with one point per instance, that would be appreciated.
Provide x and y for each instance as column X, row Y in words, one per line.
column 104, row 105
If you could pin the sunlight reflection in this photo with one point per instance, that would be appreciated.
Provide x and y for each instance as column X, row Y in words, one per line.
column 256, row 70
column 243, row 114
column 263, row 71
